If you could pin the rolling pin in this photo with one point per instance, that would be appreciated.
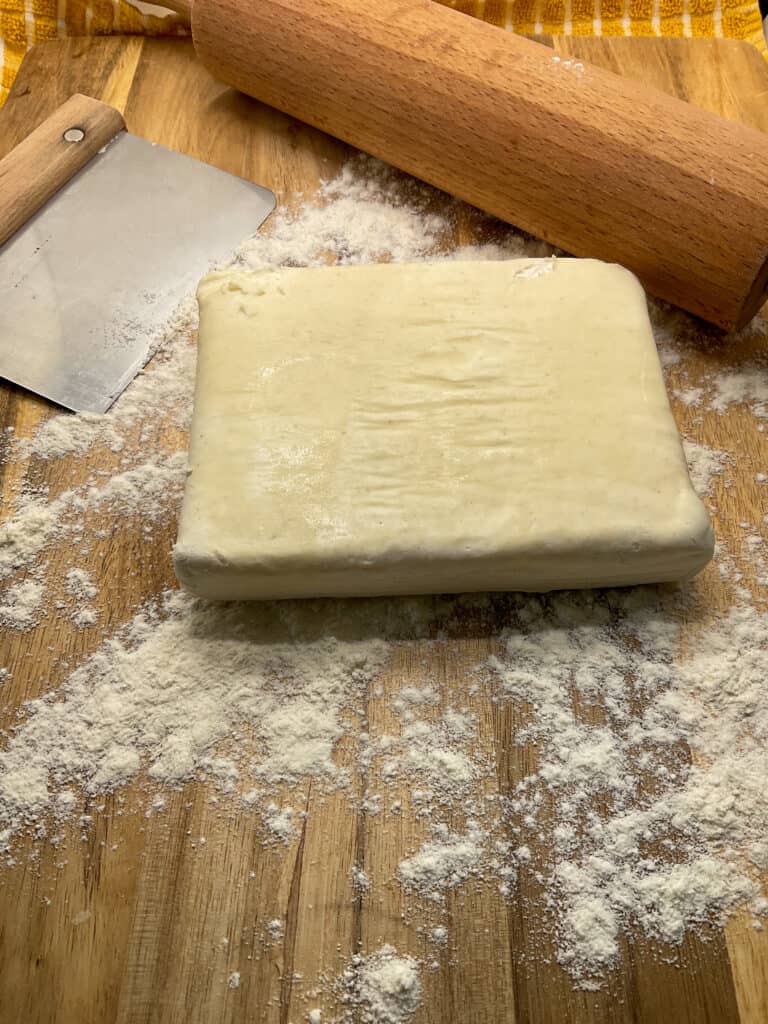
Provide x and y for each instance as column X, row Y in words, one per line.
column 591, row 162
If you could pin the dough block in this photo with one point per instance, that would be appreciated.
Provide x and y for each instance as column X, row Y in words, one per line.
column 432, row 427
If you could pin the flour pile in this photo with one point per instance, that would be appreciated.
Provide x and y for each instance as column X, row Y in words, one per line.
column 444, row 862
column 22, row 602
column 585, row 703
column 383, row 988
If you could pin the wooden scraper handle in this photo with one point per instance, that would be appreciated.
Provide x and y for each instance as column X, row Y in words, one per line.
column 594, row 163
column 50, row 155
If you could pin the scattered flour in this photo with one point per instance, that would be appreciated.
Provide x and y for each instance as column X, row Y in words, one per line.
column 79, row 584
column 151, row 489
column 748, row 386
column 361, row 218
column 360, row 880
column 433, row 755
column 601, row 693
column 580, row 665
column 33, row 525
column 279, row 822
column 167, row 691
column 705, row 464
column 444, row 862
column 413, row 696
column 383, row 988
column 690, row 396
column 301, row 735
column 85, row 617
column 21, row 604
column 147, row 489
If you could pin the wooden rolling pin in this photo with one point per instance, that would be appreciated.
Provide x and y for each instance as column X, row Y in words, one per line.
column 594, row 163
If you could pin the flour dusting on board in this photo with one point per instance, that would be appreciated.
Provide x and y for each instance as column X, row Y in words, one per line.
column 586, row 703
column 382, row 988
column 705, row 465
column 21, row 604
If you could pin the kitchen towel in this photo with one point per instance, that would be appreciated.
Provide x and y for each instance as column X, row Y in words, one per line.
column 26, row 22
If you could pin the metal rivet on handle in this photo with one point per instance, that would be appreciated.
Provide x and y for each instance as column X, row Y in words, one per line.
column 74, row 135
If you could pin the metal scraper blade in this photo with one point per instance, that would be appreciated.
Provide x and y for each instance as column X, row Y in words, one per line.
column 88, row 283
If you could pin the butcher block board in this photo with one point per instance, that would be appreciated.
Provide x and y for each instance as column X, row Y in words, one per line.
column 136, row 936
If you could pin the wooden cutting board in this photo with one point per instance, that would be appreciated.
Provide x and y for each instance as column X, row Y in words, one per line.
column 136, row 936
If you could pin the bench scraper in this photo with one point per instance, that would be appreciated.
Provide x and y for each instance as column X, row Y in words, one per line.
column 104, row 234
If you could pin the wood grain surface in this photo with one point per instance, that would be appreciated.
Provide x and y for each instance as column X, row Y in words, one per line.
column 128, row 924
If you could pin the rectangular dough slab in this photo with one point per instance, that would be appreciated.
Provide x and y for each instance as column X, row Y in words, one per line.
column 432, row 427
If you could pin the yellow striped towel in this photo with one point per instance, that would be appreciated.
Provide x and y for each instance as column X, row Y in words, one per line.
column 25, row 22
column 733, row 19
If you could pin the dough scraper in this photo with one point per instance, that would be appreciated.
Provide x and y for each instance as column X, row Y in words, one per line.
column 102, row 234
